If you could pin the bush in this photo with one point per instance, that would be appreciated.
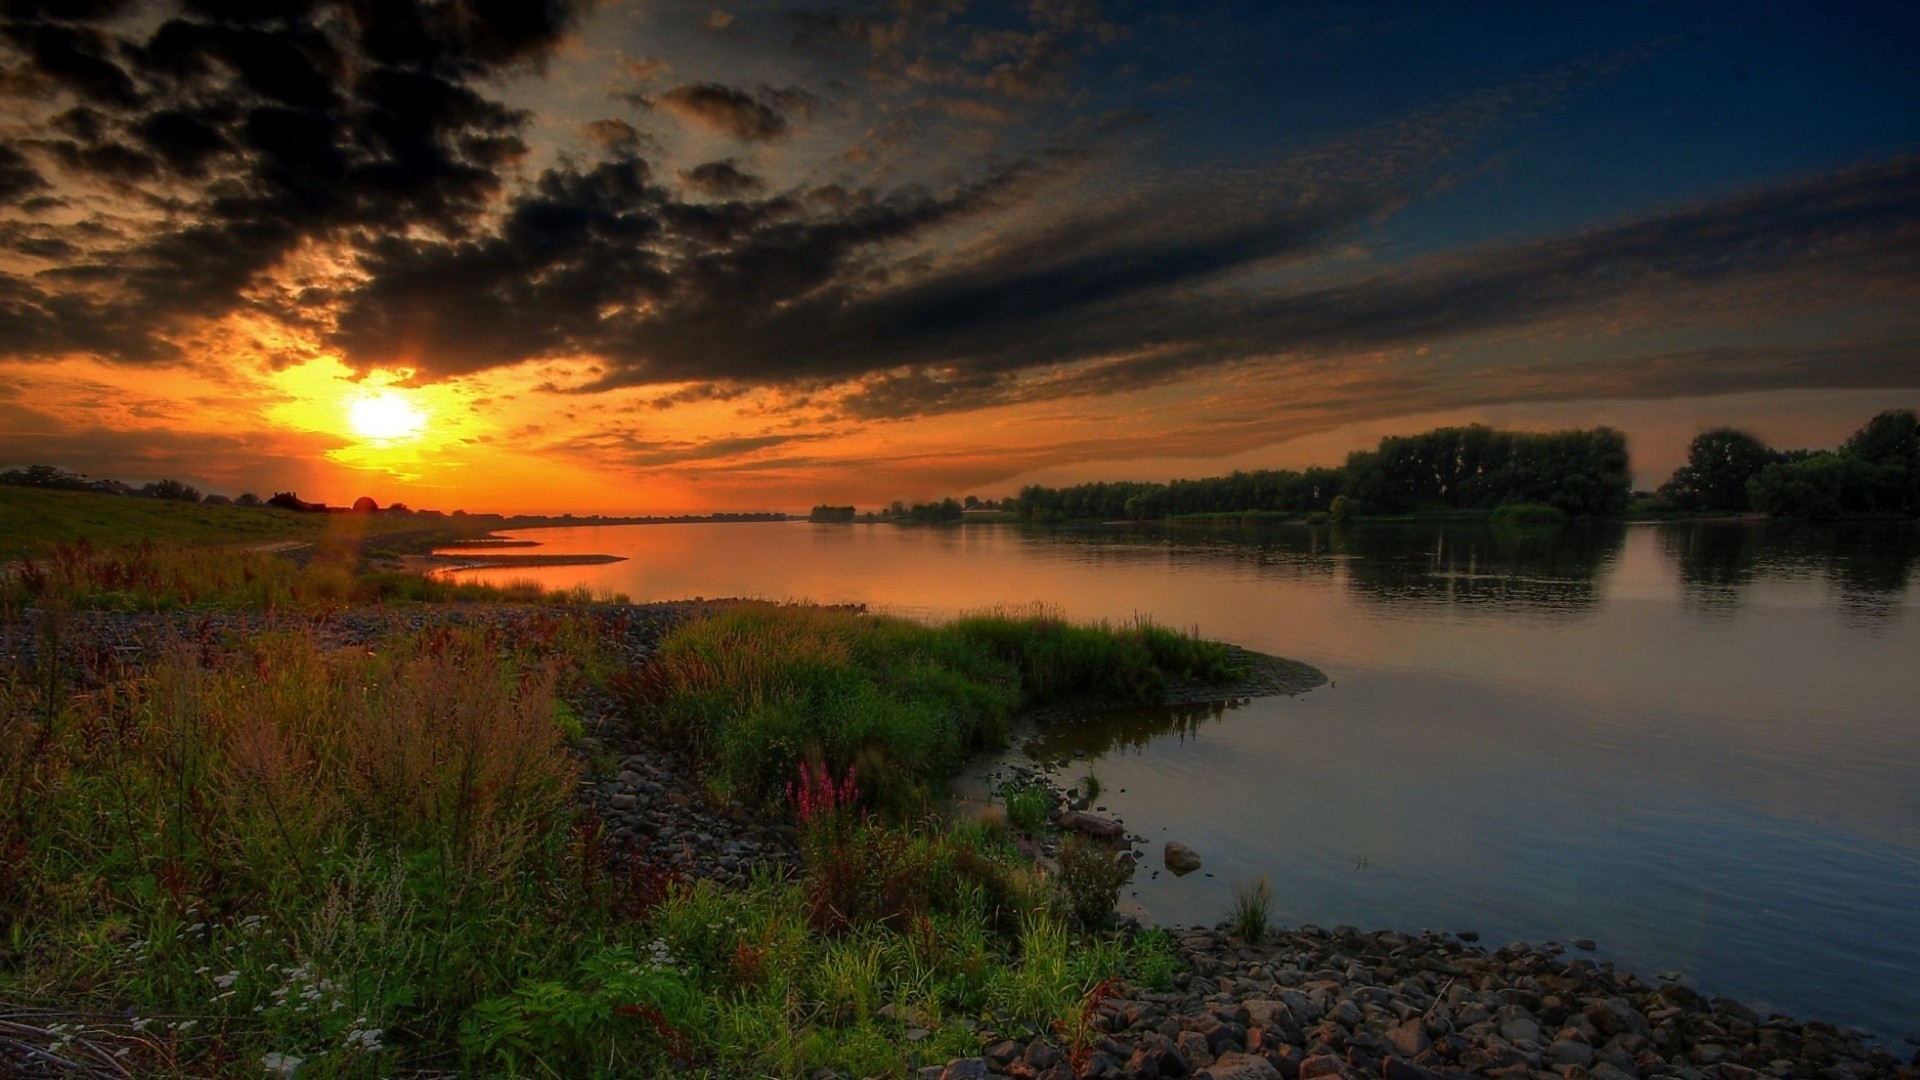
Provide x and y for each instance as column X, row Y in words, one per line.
column 1091, row 877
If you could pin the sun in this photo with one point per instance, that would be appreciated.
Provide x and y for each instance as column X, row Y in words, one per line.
column 385, row 415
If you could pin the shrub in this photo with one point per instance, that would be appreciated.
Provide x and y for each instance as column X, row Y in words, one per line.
column 1091, row 877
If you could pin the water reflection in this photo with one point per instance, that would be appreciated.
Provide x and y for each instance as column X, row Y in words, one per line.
column 1867, row 566
column 1123, row 730
column 1542, row 570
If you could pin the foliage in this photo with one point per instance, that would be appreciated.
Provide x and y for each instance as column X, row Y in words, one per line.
column 831, row 514
column 1468, row 468
column 1252, row 911
column 1720, row 462
column 1091, row 877
column 1875, row 473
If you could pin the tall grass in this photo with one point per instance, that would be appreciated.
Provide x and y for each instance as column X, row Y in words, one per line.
column 755, row 691
column 1252, row 913
column 304, row 848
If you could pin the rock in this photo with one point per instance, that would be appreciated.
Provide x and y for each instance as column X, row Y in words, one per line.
column 1180, row 858
column 1240, row 1067
column 1571, row 1052
column 1319, row 1065
column 1193, row 1046
column 966, row 1069
column 1409, row 1039
column 1585, row 944
column 622, row 801
column 1003, row 1053
column 1091, row 824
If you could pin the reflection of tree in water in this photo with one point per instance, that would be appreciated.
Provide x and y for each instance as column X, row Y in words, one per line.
column 1550, row 570
column 1294, row 552
column 1716, row 560
column 1868, row 565
column 1097, row 732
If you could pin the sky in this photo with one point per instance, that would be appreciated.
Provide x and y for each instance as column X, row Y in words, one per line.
column 546, row 256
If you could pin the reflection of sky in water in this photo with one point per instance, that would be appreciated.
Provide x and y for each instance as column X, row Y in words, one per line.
column 1695, row 743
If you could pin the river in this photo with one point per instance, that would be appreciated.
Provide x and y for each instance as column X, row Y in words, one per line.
column 1697, row 744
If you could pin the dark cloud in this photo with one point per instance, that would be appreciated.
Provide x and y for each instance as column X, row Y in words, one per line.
column 724, row 179
column 18, row 177
column 606, row 261
column 294, row 122
column 730, row 111
column 631, row 449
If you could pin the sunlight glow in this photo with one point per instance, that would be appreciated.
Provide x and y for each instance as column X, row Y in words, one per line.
column 385, row 415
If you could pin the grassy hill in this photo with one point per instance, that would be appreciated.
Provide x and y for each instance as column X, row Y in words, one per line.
column 33, row 522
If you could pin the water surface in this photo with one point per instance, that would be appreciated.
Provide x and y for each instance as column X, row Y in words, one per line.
column 1698, row 744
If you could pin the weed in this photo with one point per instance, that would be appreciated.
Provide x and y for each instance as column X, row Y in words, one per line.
column 1028, row 806
column 1252, row 911
column 1090, row 784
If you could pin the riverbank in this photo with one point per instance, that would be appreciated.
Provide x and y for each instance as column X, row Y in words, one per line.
column 753, row 942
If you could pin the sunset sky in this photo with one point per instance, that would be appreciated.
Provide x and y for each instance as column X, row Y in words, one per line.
column 655, row 256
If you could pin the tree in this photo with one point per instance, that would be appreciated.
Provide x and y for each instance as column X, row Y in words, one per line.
column 365, row 505
column 246, row 498
column 1719, row 464
column 45, row 476
column 173, row 490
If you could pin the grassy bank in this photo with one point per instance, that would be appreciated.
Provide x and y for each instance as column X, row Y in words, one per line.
column 148, row 576
column 34, row 523
column 251, row 852
column 757, row 691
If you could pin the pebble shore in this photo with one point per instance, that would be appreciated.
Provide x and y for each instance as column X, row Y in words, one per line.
column 1308, row 1003
column 1340, row 1003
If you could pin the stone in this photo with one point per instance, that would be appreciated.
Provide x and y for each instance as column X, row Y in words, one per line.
column 1571, row 1052
column 1240, row 1067
column 1091, row 824
column 1180, row 858
column 1042, row 1054
column 1319, row 1065
column 622, row 801
column 1193, row 1046
column 1409, row 1039
column 1002, row 1053
column 966, row 1069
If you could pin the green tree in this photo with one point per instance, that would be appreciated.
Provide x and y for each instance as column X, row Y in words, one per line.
column 1719, row 464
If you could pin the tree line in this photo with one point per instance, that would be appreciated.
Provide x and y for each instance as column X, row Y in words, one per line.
column 1875, row 473
column 1580, row 472
column 1455, row 468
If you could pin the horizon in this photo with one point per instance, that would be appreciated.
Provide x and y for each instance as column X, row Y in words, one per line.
column 685, row 259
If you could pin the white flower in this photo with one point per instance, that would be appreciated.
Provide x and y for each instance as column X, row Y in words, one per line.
column 284, row 1065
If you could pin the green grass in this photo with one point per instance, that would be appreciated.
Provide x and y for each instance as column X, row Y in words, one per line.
column 758, row 690
column 1527, row 514
column 1027, row 806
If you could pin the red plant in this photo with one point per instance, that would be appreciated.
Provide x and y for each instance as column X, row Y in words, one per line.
column 1077, row 1035
column 818, row 798
column 675, row 1041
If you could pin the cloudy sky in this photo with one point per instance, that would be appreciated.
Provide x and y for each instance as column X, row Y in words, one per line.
column 514, row 254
